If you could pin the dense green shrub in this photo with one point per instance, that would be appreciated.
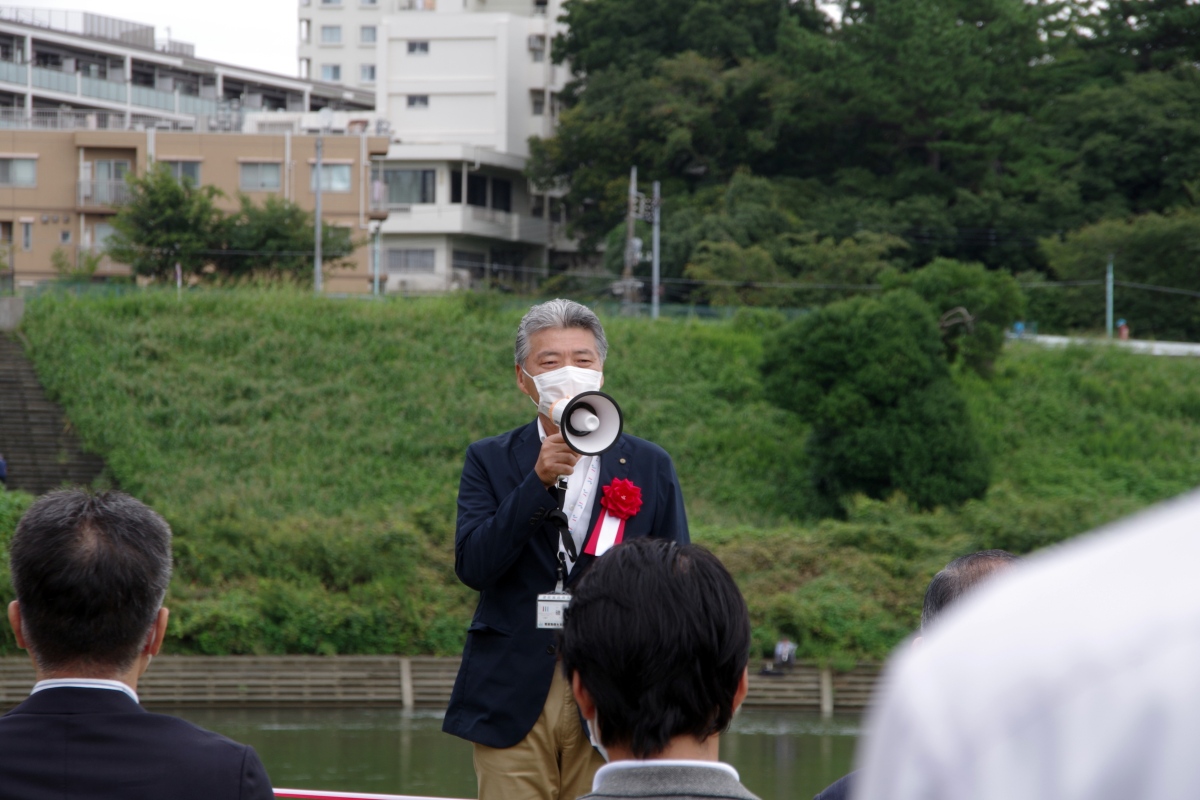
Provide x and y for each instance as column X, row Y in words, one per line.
column 974, row 306
column 870, row 377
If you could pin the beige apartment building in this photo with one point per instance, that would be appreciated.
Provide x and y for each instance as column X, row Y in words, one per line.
column 61, row 188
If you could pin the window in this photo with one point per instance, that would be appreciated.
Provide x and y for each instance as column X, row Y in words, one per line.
column 331, row 72
column 331, row 34
column 18, row 172
column 418, row 101
column 334, row 178
column 468, row 259
column 64, row 237
column 537, row 47
column 331, row 2
column 366, row 73
column 410, row 186
column 185, row 169
column 305, row 68
column 410, row 261
column 418, row 48
column 537, row 206
column 101, row 232
column 27, row 236
column 305, row 31
column 366, row 34
column 259, row 177
column 368, row 2
column 501, row 194
column 476, row 189
column 109, row 185
column 538, row 100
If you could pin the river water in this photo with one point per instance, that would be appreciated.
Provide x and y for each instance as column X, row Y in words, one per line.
column 780, row 755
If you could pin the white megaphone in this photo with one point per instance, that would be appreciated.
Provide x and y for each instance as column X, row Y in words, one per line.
column 590, row 422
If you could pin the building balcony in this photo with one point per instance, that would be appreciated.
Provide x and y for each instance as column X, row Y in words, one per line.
column 486, row 223
column 18, row 78
column 101, row 195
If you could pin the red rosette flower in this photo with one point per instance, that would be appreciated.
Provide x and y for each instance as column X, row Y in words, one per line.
column 622, row 498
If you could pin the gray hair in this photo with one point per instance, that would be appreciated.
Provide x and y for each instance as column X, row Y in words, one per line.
column 961, row 576
column 558, row 314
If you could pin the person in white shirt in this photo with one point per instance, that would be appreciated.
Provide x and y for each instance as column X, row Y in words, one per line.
column 1073, row 677
column 655, row 644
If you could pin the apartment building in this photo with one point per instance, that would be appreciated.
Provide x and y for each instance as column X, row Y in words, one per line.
column 88, row 69
column 59, row 189
column 86, row 99
column 462, row 84
column 337, row 41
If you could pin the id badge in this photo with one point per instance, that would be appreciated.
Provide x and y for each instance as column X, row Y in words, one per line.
column 550, row 607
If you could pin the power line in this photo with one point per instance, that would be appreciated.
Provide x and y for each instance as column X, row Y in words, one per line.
column 1153, row 288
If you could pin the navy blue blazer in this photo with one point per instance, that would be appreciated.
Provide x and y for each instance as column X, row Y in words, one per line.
column 838, row 790
column 98, row 743
column 506, row 550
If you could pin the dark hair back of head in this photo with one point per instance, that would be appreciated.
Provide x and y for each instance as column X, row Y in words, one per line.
column 90, row 573
column 960, row 576
column 660, row 636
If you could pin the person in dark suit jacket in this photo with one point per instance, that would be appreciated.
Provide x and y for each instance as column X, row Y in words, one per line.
column 90, row 573
column 508, row 699
column 656, row 645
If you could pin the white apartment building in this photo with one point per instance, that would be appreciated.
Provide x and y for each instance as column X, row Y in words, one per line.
column 337, row 41
column 463, row 84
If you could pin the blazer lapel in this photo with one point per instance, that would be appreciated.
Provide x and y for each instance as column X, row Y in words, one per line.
column 525, row 450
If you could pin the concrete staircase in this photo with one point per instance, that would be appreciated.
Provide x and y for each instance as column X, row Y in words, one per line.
column 36, row 439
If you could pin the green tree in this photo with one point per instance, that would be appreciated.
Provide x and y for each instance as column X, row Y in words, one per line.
column 602, row 34
column 166, row 222
column 1140, row 36
column 1136, row 142
column 869, row 375
column 276, row 239
column 1152, row 249
column 80, row 268
column 974, row 307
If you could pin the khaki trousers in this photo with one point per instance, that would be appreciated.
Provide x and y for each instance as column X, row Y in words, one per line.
column 555, row 760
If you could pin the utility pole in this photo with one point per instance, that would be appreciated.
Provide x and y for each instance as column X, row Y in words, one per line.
column 326, row 116
column 317, row 226
column 654, row 274
column 630, row 254
column 1108, row 298
column 378, row 236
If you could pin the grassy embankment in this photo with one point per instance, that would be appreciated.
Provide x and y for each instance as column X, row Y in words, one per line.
column 307, row 454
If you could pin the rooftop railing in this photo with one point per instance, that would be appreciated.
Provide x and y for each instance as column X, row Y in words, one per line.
column 82, row 23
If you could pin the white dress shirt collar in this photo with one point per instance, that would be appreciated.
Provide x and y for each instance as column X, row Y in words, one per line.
column 625, row 764
column 85, row 683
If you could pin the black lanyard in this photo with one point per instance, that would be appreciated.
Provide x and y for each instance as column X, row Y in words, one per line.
column 561, row 521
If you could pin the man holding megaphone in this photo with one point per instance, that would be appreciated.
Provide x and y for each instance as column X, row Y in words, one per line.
column 536, row 506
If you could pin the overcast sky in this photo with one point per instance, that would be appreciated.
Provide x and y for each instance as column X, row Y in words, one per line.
column 249, row 33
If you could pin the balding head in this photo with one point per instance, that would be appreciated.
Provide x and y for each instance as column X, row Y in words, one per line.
column 90, row 573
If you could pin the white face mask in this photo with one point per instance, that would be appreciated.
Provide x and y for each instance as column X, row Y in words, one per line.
column 593, row 731
column 562, row 384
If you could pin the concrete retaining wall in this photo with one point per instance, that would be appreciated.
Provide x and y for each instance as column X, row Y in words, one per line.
column 11, row 311
column 406, row 682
